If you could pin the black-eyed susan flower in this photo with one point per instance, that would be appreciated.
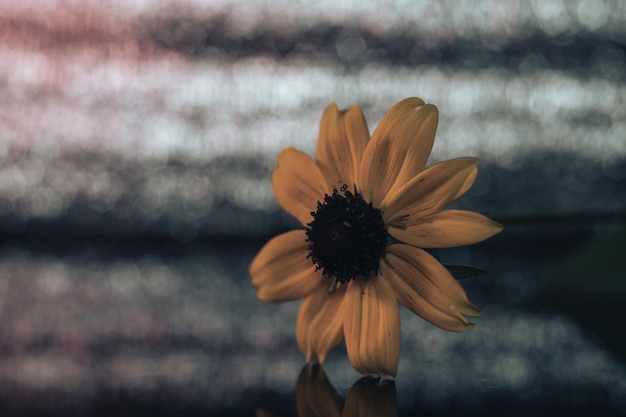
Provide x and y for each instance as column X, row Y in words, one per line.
column 368, row 208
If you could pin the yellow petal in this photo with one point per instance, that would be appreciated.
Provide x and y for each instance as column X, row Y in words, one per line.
column 342, row 140
column 368, row 397
column 298, row 184
column 427, row 288
column 372, row 326
column 446, row 229
column 315, row 397
column 320, row 322
column 467, row 184
column 281, row 271
column 398, row 149
column 358, row 136
column 431, row 190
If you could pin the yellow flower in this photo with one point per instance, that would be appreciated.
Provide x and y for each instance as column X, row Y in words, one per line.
column 368, row 207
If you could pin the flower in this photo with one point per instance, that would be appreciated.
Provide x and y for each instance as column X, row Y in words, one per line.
column 368, row 208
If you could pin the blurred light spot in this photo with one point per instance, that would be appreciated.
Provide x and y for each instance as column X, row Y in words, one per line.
column 54, row 280
column 45, row 372
column 13, row 182
column 131, row 372
column 253, row 194
column 586, row 364
column 433, row 344
column 46, row 203
column 124, row 278
column 513, row 372
column 592, row 14
column 178, row 369
column 104, row 191
column 553, row 16
column 194, row 187
column 245, row 21
column 157, row 278
column 351, row 47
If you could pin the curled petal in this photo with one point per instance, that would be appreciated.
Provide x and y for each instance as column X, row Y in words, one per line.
column 432, row 189
column 426, row 287
column 281, row 270
column 445, row 229
column 320, row 322
column 398, row 149
column 342, row 140
column 372, row 326
column 315, row 396
column 298, row 184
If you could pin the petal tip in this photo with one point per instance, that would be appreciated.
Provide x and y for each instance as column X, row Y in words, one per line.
column 285, row 150
column 473, row 311
column 498, row 227
column 412, row 101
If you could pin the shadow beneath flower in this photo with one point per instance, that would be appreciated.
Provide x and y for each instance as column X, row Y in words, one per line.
column 316, row 397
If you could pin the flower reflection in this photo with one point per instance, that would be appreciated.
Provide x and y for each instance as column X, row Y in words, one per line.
column 370, row 396
column 316, row 397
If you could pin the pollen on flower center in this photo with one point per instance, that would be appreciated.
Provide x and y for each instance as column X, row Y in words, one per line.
column 347, row 236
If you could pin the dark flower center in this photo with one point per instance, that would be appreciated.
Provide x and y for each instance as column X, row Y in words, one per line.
column 347, row 236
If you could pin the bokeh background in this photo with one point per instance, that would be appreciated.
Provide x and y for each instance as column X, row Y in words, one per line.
column 136, row 141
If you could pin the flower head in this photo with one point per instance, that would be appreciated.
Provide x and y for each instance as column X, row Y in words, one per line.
column 368, row 208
